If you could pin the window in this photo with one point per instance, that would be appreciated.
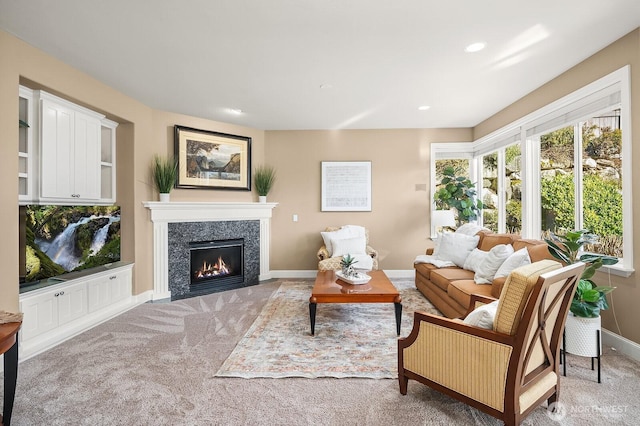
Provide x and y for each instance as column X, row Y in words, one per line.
column 563, row 166
column 581, row 180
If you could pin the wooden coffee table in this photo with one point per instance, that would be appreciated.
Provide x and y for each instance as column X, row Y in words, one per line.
column 328, row 288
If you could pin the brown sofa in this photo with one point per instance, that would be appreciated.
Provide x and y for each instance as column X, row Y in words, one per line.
column 450, row 289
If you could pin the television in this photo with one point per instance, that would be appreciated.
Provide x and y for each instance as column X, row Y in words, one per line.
column 63, row 239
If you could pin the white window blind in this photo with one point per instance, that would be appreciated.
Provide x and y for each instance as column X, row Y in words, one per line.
column 598, row 102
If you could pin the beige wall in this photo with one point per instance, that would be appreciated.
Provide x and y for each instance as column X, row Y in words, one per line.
column 399, row 217
column 625, row 51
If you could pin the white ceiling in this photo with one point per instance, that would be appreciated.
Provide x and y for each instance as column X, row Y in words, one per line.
column 381, row 58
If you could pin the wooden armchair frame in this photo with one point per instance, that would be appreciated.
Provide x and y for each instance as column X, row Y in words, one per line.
column 505, row 375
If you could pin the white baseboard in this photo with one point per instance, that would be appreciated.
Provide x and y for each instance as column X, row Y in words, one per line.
column 621, row 344
column 391, row 273
column 294, row 274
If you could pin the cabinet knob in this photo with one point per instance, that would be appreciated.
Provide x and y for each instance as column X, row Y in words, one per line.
column 113, row 277
column 62, row 293
column 57, row 294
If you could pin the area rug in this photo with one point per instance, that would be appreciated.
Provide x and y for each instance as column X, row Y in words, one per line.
column 351, row 340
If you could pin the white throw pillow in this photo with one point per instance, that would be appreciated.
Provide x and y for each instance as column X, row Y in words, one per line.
column 475, row 259
column 347, row 231
column 352, row 246
column 517, row 259
column 456, row 247
column 469, row 229
column 495, row 258
column 483, row 316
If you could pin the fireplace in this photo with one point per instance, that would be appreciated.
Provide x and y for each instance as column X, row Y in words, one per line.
column 217, row 265
column 177, row 224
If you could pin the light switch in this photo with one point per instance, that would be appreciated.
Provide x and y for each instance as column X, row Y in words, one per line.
column 295, row 217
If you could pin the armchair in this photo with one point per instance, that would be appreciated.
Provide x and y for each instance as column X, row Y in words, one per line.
column 329, row 259
column 507, row 371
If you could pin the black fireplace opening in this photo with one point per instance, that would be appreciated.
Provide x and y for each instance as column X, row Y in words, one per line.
column 216, row 265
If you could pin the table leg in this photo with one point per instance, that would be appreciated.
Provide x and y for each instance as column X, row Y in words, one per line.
column 398, row 307
column 312, row 317
column 10, row 379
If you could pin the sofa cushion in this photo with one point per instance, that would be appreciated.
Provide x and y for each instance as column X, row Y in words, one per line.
column 425, row 269
column 444, row 276
column 489, row 241
column 461, row 291
column 538, row 249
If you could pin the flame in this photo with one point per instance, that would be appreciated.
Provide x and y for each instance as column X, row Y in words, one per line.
column 210, row 270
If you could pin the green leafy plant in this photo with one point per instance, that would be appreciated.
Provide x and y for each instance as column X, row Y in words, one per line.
column 264, row 177
column 165, row 172
column 460, row 193
column 589, row 299
column 347, row 264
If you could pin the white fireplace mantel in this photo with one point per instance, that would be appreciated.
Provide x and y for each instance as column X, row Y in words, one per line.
column 175, row 212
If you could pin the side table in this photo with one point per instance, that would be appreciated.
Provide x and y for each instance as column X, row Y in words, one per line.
column 9, row 347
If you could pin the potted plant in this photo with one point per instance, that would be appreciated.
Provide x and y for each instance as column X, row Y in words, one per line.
column 584, row 322
column 263, row 178
column 460, row 193
column 165, row 172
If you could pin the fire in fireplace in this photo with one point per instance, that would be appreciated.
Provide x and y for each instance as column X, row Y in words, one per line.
column 216, row 264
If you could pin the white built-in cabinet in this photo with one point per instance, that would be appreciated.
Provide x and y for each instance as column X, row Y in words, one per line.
column 54, row 313
column 25, row 146
column 67, row 155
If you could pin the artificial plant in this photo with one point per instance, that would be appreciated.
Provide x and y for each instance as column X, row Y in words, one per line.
column 589, row 299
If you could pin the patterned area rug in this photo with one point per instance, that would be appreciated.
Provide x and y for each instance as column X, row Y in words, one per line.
column 351, row 340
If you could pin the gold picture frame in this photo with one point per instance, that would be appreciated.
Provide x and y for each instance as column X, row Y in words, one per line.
column 212, row 160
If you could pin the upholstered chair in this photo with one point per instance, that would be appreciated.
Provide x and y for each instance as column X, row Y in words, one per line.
column 327, row 262
column 507, row 370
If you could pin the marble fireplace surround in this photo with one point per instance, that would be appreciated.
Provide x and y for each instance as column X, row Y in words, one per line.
column 178, row 212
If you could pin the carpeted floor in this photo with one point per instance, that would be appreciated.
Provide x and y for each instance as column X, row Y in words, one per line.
column 156, row 365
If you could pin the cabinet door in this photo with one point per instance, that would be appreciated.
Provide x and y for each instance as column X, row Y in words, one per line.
column 86, row 157
column 99, row 293
column 72, row 303
column 120, row 285
column 57, row 133
column 40, row 315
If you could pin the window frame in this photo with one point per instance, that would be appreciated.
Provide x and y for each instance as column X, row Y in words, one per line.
column 522, row 130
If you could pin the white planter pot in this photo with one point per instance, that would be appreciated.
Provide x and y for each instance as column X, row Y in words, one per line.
column 262, row 198
column 164, row 198
column 581, row 336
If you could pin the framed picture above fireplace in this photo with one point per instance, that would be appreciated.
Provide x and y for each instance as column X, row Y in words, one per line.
column 212, row 160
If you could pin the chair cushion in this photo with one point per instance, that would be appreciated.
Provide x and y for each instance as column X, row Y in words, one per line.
column 515, row 294
column 461, row 291
column 444, row 276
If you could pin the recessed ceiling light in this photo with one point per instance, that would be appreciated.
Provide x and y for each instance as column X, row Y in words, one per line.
column 424, row 107
column 475, row 47
column 236, row 111
column 326, row 86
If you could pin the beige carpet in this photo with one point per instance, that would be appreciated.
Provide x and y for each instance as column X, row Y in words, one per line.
column 156, row 365
column 350, row 340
